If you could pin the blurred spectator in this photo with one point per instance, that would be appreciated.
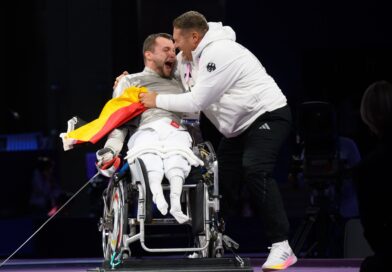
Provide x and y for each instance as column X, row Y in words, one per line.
column 372, row 177
column 46, row 193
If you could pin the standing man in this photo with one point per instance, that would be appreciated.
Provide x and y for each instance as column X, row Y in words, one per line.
column 234, row 91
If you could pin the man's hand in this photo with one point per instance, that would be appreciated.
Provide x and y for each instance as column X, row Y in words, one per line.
column 118, row 79
column 148, row 99
column 104, row 155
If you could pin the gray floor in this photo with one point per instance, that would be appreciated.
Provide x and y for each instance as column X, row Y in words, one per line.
column 74, row 265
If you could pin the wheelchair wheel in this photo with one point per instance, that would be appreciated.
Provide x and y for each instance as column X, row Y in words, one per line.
column 213, row 250
column 148, row 194
column 215, row 247
column 199, row 241
column 115, row 221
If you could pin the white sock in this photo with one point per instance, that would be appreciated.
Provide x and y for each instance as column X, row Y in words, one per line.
column 175, row 195
column 155, row 182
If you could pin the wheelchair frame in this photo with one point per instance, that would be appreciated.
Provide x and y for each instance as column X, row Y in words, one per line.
column 115, row 222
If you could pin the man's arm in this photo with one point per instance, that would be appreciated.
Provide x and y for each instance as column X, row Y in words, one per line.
column 119, row 78
column 116, row 139
column 216, row 75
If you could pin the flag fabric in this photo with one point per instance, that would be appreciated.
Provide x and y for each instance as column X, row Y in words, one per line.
column 116, row 112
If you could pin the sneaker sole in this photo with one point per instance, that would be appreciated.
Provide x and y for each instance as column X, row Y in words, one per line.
column 289, row 262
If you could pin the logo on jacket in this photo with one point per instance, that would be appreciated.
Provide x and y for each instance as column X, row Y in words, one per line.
column 211, row 67
column 265, row 126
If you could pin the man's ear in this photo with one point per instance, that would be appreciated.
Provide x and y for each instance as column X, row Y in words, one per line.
column 148, row 55
column 195, row 36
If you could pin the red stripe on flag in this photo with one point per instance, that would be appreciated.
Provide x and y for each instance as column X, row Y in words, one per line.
column 118, row 118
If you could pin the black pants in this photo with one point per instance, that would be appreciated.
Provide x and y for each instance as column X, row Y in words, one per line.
column 251, row 157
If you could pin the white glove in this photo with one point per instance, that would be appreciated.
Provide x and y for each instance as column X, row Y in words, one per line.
column 104, row 155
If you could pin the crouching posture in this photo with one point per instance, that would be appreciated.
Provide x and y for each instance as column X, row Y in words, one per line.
column 159, row 140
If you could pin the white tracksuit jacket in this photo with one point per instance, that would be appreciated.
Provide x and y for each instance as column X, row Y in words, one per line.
column 232, row 87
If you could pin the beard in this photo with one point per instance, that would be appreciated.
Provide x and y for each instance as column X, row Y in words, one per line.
column 165, row 68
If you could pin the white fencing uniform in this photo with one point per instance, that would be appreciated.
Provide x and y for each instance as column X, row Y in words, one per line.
column 160, row 129
column 164, row 136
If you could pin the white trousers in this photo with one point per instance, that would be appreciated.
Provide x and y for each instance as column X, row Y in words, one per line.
column 175, row 167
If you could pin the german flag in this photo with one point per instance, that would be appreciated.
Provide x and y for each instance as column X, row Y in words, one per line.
column 116, row 112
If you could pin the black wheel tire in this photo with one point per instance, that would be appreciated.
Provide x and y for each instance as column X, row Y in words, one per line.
column 117, row 208
column 148, row 194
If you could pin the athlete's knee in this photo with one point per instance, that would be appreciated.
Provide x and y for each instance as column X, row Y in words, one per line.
column 176, row 165
column 152, row 162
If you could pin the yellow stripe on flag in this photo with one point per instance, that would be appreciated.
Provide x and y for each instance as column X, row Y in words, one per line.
column 128, row 97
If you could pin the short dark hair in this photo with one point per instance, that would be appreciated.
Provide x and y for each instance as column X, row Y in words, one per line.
column 191, row 20
column 149, row 42
column 376, row 107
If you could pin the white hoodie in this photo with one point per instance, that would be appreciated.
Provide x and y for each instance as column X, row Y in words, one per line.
column 232, row 87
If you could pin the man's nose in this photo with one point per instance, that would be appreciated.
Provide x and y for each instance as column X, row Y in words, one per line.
column 172, row 53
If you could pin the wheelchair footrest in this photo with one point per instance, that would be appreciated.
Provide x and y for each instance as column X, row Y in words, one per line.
column 180, row 264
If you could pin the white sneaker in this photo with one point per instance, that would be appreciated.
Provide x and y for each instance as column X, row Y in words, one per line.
column 280, row 257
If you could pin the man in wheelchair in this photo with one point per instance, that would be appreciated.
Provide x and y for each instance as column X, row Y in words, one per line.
column 159, row 146
column 160, row 141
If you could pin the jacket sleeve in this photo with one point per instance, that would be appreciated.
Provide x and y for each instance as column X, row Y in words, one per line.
column 116, row 139
column 217, row 73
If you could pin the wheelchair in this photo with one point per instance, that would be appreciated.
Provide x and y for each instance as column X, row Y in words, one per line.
column 200, row 197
